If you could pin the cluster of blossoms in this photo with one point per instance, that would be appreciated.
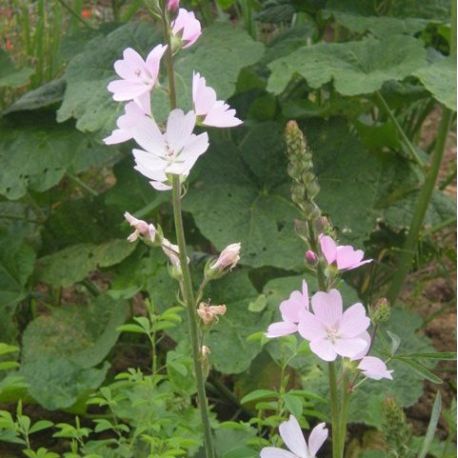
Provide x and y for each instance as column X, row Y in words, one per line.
column 174, row 149
column 321, row 320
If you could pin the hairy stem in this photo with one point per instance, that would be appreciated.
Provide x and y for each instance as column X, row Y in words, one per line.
column 187, row 288
column 421, row 206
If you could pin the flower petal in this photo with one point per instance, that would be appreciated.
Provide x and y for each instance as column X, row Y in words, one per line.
column 274, row 452
column 367, row 338
column 354, row 321
column 292, row 436
column 328, row 248
column 126, row 90
column 324, row 349
column 179, row 129
column 310, row 327
column 292, row 308
column 349, row 347
column 147, row 134
column 281, row 328
column 374, row 368
column 317, row 438
column 327, row 307
column 117, row 136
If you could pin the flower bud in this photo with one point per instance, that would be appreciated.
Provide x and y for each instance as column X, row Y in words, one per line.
column 380, row 311
column 204, row 354
column 209, row 313
column 172, row 5
column 311, row 257
column 142, row 229
column 228, row 258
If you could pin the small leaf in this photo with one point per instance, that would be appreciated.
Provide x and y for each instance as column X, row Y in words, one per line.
column 259, row 304
column 259, row 394
column 40, row 426
column 131, row 328
column 439, row 355
column 293, row 404
column 422, row 370
column 395, row 342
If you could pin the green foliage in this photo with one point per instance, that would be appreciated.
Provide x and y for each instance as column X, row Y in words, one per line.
column 358, row 67
column 61, row 351
column 10, row 76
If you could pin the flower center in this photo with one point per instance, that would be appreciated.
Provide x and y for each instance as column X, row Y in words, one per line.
column 333, row 334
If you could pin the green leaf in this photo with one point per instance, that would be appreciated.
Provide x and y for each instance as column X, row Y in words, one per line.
column 439, row 355
column 359, row 67
column 17, row 261
column 432, row 426
column 294, row 404
column 439, row 78
column 74, row 263
column 87, row 75
column 9, row 75
column 40, row 426
column 60, row 351
column 380, row 26
column 420, row 369
column 36, row 158
column 42, row 97
column 256, row 395
column 242, row 193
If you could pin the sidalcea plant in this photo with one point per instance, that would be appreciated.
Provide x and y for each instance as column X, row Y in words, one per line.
column 165, row 156
column 335, row 335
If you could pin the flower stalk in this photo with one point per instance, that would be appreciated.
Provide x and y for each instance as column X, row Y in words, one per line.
column 186, row 282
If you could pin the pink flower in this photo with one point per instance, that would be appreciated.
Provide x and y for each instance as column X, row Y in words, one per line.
column 142, row 228
column 330, row 330
column 292, row 436
column 138, row 76
column 174, row 152
column 216, row 113
column 374, row 368
column 228, row 258
column 172, row 5
column 291, row 311
column 311, row 257
column 186, row 27
column 126, row 122
column 344, row 256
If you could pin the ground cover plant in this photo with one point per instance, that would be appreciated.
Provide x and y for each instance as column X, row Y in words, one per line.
column 227, row 229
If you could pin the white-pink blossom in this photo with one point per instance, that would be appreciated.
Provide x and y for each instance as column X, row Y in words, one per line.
column 138, row 76
column 214, row 113
column 228, row 258
column 374, row 368
column 291, row 311
column 291, row 433
column 345, row 257
column 142, row 228
column 330, row 330
column 173, row 152
column 133, row 114
column 186, row 27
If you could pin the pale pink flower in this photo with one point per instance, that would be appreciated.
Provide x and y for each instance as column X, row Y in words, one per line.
column 215, row 113
column 228, row 258
column 186, row 27
column 374, row 368
column 142, row 228
column 126, row 122
column 292, row 436
column 173, row 152
column 345, row 257
column 291, row 311
column 330, row 330
column 172, row 251
column 172, row 5
column 138, row 76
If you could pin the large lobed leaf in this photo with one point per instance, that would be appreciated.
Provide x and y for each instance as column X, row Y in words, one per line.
column 219, row 55
column 356, row 67
column 60, row 350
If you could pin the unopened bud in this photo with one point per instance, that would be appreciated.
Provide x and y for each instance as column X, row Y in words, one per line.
column 227, row 260
column 311, row 257
column 295, row 140
column 322, row 225
column 172, row 5
column 380, row 311
column 210, row 313
column 205, row 351
column 141, row 229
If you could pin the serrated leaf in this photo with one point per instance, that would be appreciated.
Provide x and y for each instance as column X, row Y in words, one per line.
column 87, row 99
column 439, row 78
column 74, row 263
column 355, row 68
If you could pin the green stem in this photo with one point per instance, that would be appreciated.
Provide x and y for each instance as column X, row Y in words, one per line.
column 319, row 268
column 346, row 394
column 421, row 206
column 411, row 148
column 334, row 410
column 187, row 289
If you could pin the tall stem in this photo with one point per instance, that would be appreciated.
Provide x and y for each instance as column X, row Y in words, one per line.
column 346, row 394
column 187, row 289
column 421, row 206
column 336, row 453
